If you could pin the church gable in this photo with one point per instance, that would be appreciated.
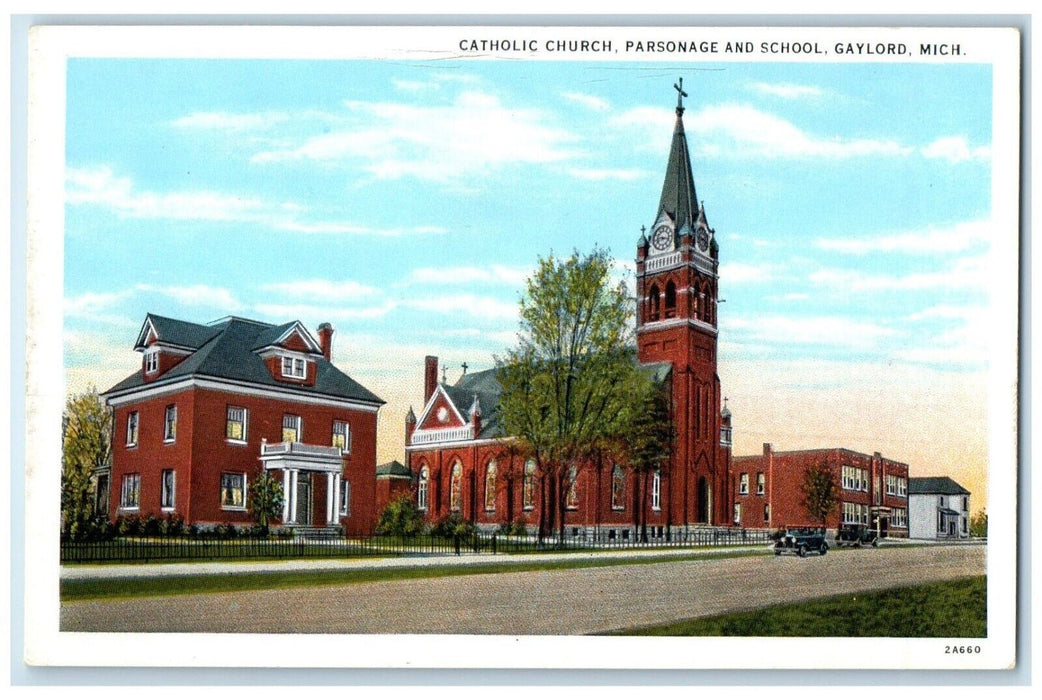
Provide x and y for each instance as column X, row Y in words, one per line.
column 440, row 413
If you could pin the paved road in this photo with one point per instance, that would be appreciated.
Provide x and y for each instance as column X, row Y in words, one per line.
column 577, row 601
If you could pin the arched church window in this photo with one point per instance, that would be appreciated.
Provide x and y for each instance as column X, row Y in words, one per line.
column 456, row 487
column 490, row 486
column 571, row 499
column 618, row 488
column 653, row 303
column 528, row 486
column 423, row 488
column 671, row 299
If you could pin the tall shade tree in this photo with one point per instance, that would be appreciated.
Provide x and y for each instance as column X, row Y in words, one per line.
column 820, row 492
column 646, row 441
column 86, row 447
column 565, row 387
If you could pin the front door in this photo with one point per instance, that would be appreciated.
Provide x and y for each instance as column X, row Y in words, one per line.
column 304, row 499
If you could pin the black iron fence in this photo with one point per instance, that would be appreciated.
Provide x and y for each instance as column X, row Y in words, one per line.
column 144, row 549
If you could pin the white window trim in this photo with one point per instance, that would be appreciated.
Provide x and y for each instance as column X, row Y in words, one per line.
column 423, row 489
column 166, row 424
column 137, row 428
column 122, row 493
column 237, row 509
column 529, row 477
column 345, row 498
column 173, row 491
column 245, row 426
column 761, row 483
column 293, row 362
column 346, row 449
column 743, row 484
column 300, row 426
column 656, row 490
column 621, row 505
column 493, row 468
column 151, row 360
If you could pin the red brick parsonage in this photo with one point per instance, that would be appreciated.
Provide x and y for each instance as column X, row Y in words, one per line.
column 198, row 425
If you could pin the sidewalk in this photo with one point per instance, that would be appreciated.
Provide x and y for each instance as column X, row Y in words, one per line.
column 154, row 570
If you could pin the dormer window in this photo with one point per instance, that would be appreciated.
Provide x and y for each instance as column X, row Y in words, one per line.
column 294, row 368
column 152, row 361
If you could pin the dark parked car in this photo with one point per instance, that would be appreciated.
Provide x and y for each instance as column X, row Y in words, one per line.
column 856, row 536
column 801, row 541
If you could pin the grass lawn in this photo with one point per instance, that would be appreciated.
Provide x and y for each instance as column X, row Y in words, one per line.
column 948, row 609
column 72, row 590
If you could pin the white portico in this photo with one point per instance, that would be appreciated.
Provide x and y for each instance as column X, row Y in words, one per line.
column 299, row 463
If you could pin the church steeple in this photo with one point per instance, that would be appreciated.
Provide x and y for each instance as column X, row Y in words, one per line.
column 678, row 202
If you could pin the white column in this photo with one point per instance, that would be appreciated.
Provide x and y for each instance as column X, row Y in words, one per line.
column 285, row 496
column 293, row 495
column 336, row 497
column 330, row 513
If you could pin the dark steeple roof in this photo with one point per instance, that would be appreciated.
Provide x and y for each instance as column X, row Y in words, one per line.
column 226, row 351
column 485, row 386
column 678, row 199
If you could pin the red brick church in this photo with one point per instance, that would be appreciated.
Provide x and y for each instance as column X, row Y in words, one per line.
column 463, row 462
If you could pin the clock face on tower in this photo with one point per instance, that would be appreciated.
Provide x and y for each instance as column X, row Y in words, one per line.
column 703, row 238
column 662, row 239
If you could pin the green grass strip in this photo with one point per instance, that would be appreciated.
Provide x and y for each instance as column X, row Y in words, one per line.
column 88, row 589
column 955, row 609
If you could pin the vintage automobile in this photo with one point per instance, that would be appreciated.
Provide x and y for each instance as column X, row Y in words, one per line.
column 801, row 541
column 856, row 536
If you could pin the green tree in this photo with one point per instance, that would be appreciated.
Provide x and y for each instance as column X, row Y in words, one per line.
column 265, row 499
column 400, row 518
column 647, row 441
column 820, row 492
column 565, row 386
column 86, row 448
column 979, row 524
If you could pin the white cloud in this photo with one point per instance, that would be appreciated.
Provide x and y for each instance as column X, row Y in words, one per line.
column 818, row 330
column 787, row 91
column 100, row 186
column 739, row 130
column 738, row 273
column 320, row 313
column 333, row 290
column 955, row 149
column 224, row 121
column 969, row 273
column 196, row 295
column 499, row 274
column 466, row 304
column 592, row 102
column 955, row 238
column 599, row 174
column 436, row 142
column 93, row 305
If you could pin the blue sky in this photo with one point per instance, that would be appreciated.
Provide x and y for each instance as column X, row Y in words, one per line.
column 405, row 202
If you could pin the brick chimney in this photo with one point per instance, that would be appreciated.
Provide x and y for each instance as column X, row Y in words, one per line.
column 430, row 377
column 325, row 339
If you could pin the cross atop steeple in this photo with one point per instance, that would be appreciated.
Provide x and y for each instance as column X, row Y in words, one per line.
column 679, row 87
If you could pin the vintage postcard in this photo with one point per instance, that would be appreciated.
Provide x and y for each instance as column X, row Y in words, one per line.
column 523, row 347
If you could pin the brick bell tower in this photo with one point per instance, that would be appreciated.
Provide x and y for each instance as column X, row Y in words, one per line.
column 676, row 323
